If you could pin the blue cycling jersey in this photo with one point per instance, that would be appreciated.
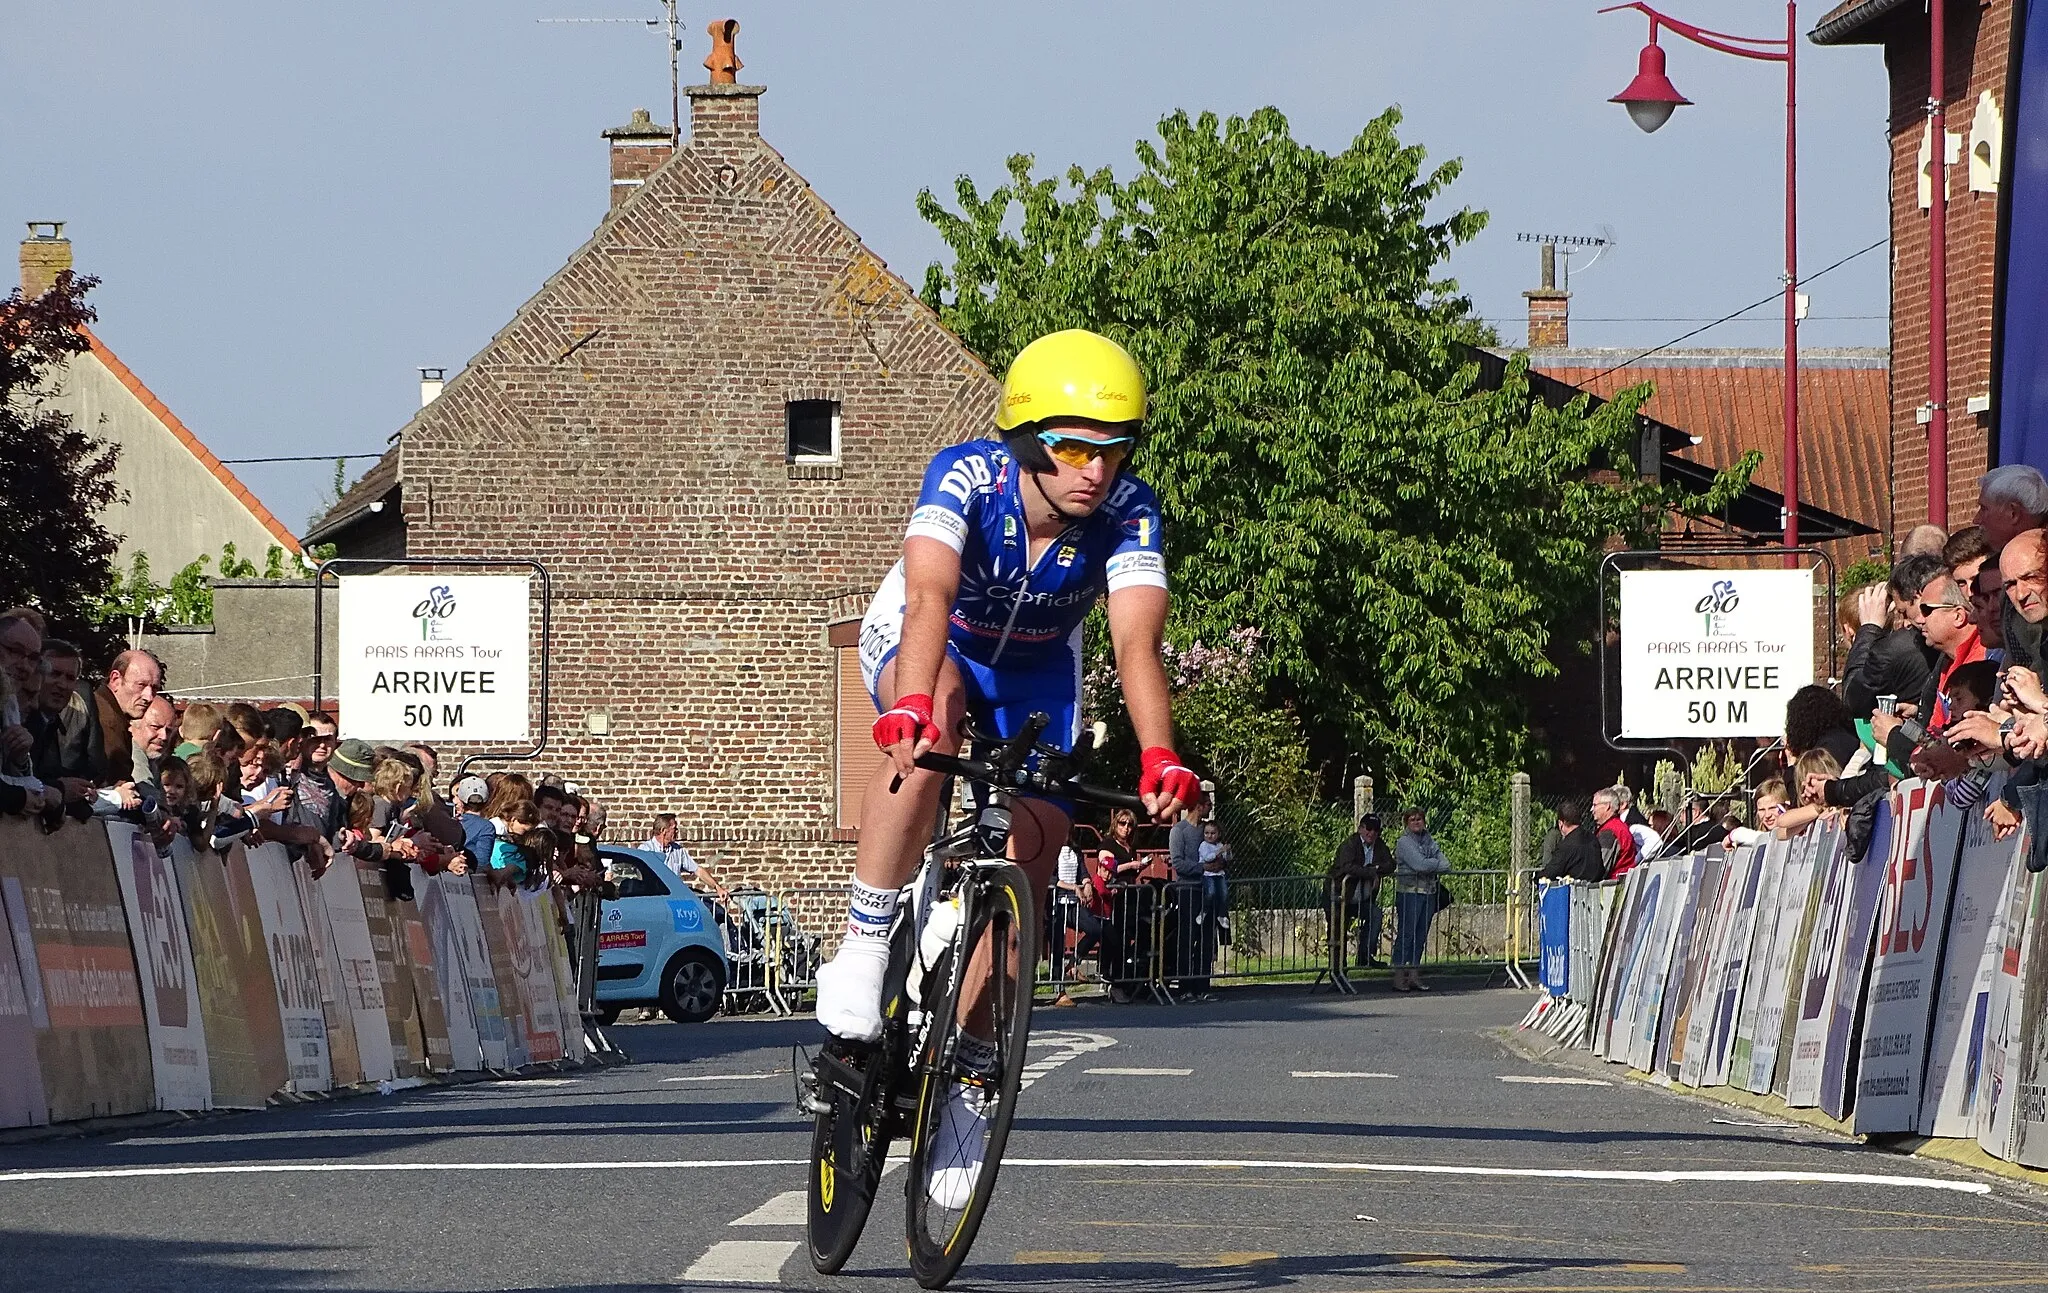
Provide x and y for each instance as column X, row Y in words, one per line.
column 1012, row 611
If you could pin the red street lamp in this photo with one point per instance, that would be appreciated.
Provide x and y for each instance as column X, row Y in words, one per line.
column 1651, row 99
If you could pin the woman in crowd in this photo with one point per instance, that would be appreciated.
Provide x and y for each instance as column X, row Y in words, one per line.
column 1419, row 866
column 1127, row 935
column 1814, row 768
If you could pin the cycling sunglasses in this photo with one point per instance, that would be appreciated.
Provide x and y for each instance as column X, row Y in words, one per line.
column 1079, row 451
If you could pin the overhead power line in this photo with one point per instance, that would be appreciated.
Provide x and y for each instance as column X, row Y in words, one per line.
column 303, row 457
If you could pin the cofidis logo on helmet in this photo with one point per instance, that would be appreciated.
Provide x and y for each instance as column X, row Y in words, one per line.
column 433, row 613
column 1717, row 610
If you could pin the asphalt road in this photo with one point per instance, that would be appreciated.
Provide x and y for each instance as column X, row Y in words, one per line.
column 1262, row 1141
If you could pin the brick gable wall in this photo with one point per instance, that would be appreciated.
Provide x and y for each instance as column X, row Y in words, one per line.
column 1979, row 48
column 627, row 430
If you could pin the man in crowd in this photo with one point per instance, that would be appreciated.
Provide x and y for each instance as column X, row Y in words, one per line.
column 673, row 855
column 2010, row 501
column 1887, row 661
column 1198, row 941
column 133, row 681
column 1949, row 626
column 1575, row 856
column 59, row 720
column 1617, row 843
column 1363, row 861
column 150, row 737
column 21, row 651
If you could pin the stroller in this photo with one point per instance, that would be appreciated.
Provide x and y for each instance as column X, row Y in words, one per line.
column 760, row 930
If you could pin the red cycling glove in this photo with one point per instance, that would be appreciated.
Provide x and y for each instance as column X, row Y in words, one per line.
column 1161, row 772
column 910, row 720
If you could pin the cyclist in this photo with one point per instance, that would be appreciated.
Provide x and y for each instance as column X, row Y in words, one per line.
column 1010, row 544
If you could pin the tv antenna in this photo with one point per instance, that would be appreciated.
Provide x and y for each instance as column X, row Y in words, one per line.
column 675, row 49
column 1569, row 245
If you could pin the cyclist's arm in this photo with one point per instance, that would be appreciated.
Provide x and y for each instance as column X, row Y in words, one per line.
column 1137, row 630
column 931, row 584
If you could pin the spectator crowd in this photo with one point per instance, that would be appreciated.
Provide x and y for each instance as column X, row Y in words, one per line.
column 1942, row 680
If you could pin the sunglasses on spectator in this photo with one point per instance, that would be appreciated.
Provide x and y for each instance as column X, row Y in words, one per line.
column 1929, row 608
column 1079, row 451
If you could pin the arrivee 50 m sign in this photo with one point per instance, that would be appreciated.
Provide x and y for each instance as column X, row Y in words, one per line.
column 434, row 657
column 1711, row 653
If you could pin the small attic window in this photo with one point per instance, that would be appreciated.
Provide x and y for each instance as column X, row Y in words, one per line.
column 813, row 430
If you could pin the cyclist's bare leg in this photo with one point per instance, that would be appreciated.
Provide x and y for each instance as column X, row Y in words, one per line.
column 1037, row 831
column 895, row 828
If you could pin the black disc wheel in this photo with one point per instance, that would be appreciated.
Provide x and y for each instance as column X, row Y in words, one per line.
column 968, row 1076
column 849, row 1146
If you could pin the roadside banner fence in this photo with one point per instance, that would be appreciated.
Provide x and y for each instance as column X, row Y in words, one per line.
column 1900, row 991
column 133, row 980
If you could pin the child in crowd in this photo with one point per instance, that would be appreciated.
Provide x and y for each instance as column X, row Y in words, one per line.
column 1216, row 858
column 510, row 862
column 1815, row 763
column 1772, row 800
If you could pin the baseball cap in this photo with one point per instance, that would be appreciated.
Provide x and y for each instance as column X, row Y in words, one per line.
column 471, row 790
column 353, row 759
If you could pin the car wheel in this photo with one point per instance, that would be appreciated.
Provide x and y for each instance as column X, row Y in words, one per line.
column 691, row 987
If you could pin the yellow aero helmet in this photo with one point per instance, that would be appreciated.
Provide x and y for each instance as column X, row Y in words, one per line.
column 1072, row 374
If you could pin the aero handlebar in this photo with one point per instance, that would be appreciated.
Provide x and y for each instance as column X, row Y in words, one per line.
column 1056, row 776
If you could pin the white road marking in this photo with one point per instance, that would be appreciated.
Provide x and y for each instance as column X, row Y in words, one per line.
column 1567, row 1173
column 1530, row 1079
column 1140, row 1072
column 727, row 1077
column 1333, row 1073
column 1071, row 1046
column 786, row 1209
column 1301, row 1165
column 742, row 1261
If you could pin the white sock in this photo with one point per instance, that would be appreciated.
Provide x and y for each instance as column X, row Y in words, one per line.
column 869, row 913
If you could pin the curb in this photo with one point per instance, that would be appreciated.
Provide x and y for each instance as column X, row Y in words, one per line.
column 1956, row 1153
column 85, row 1128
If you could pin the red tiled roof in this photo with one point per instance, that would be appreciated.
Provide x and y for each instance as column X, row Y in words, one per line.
column 1733, row 401
column 163, row 414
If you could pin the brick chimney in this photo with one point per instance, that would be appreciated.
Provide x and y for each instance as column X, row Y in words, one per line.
column 1550, row 308
column 638, row 149
column 45, row 253
column 725, row 116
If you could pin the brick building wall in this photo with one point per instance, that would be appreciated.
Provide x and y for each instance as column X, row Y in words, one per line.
column 627, row 429
column 1979, row 45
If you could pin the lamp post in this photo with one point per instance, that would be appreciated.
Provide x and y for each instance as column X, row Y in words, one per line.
column 1651, row 99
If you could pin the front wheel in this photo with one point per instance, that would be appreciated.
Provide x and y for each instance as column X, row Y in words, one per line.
column 968, row 1079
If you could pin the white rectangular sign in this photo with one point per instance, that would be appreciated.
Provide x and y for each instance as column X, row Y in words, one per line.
column 1712, row 653
column 434, row 657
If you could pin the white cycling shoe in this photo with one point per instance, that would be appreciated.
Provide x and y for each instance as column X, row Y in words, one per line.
column 850, row 989
column 960, row 1145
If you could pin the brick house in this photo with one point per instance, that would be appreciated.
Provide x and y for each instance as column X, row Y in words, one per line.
column 709, row 425
column 1979, row 45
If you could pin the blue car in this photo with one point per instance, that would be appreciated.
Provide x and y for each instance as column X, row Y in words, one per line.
column 657, row 944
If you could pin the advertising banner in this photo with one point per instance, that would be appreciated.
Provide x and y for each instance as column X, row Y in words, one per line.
column 519, row 910
column 565, row 987
column 218, row 956
column 22, row 1102
column 362, row 981
column 465, row 1046
column 401, row 1012
column 1671, row 933
column 64, row 906
column 2028, row 1073
column 498, row 940
column 292, row 967
column 1798, row 894
column 1976, row 932
column 2020, row 397
column 1713, row 653
column 1744, row 888
column 258, row 983
column 1617, row 964
column 1912, row 912
column 1756, row 971
column 1554, row 969
column 1818, row 972
column 1713, row 959
column 473, row 954
column 163, row 953
column 342, row 1059
column 430, row 1009
column 1852, row 952
column 1688, row 965
column 435, row 657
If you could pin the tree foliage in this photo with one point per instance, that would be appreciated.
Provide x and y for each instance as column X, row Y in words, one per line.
column 55, row 479
column 136, row 598
column 1331, row 472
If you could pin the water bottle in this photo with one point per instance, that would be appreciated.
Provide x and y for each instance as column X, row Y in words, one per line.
column 939, row 929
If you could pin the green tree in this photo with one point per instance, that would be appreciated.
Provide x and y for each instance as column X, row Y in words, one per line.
column 1331, row 472
column 55, row 479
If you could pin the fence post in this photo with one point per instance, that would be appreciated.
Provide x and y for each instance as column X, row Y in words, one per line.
column 1520, row 899
column 1361, row 797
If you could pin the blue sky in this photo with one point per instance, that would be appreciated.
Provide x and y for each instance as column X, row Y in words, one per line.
column 295, row 207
